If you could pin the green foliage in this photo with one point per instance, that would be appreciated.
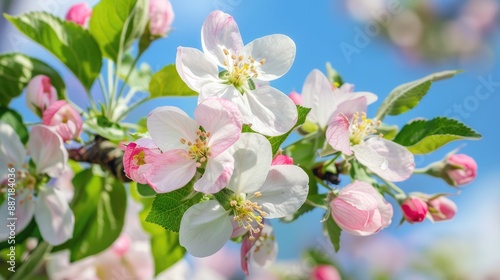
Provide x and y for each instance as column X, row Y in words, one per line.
column 16, row 70
column 167, row 82
column 333, row 231
column 333, row 76
column 139, row 78
column 99, row 207
column 102, row 126
column 407, row 96
column 33, row 262
column 15, row 120
column 69, row 42
column 116, row 24
column 276, row 141
column 145, row 190
column 168, row 208
column 425, row 136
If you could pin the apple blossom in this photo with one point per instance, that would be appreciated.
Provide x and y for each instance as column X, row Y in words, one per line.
column 266, row 109
column 325, row 272
column 414, row 209
column 360, row 209
column 262, row 250
column 64, row 118
column 259, row 190
column 138, row 158
column 80, row 14
column 282, row 160
column 40, row 94
column 444, row 209
column 466, row 171
column 188, row 144
column 387, row 159
column 161, row 17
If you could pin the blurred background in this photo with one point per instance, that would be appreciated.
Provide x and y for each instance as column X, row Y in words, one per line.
column 376, row 45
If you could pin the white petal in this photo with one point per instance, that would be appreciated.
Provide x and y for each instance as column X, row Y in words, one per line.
column 168, row 125
column 47, row 151
column 252, row 159
column 11, row 149
column 205, row 228
column 277, row 50
column 53, row 216
column 220, row 31
column 170, row 171
column 230, row 93
column 217, row 174
column 222, row 119
column 317, row 94
column 351, row 106
column 268, row 249
column 195, row 68
column 337, row 134
column 369, row 157
column 23, row 214
column 275, row 113
column 400, row 161
column 284, row 191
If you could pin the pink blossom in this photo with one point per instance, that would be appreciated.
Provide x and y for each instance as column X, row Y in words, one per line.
column 161, row 17
column 414, row 209
column 64, row 118
column 121, row 245
column 325, row 272
column 79, row 13
column 446, row 209
column 40, row 94
column 296, row 97
column 138, row 157
column 282, row 160
column 360, row 209
column 467, row 170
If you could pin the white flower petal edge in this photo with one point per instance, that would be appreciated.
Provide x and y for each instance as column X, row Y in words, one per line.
column 53, row 216
column 25, row 208
column 283, row 192
column 317, row 94
column 217, row 174
column 11, row 149
column 400, row 161
column 195, row 68
column 47, row 151
column 205, row 228
column 252, row 159
column 367, row 156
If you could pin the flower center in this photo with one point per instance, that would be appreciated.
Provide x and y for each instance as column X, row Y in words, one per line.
column 139, row 158
column 248, row 214
column 361, row 127
column 198, row 150
column 240, row 69
column 264, row 242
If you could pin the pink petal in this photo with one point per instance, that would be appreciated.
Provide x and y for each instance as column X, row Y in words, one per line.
column 47, row 151
column 170, row 171
column 337, row 134
column 217, row 174
column 351, row 106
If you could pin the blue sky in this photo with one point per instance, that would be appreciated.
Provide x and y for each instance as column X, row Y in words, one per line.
column 319, row 30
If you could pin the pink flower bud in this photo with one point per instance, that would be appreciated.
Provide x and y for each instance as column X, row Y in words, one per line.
column 360, row 209
column 296, row 98
column 80, row 14
column 446, row 209
column 468, row 171
column 161, row 17
column 282, row 160
column 414, row 209
column 325, row 272
column 138, row 157
column 121, row 246
column 66, row 120
column 40, row 94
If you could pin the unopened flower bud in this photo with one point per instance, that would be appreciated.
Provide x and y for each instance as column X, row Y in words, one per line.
column 442, row 209
column 121, row 246
column 80, row 14
column 282, row 160
column 161, row 17
column 467, row 171
column 296, row 98
column 40, row 94
column 66, row 120
column 414, row 209
column 325, row 272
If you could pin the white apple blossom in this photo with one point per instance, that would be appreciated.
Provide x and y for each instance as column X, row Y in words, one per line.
column 266, row 109
column 259, row 190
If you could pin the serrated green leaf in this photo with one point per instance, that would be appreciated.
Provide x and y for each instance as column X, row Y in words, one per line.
column 16, row 70
column 69, row 42
column 168, row 208
column 167, row 82
column 116, row 24
column 15, row 120
column 407, row 96
column 425, row 136
column 333, row 231
column 276, row 141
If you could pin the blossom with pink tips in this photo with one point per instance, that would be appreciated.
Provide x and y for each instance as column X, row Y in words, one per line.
column 188, row 144
column 360, row 209
column 465, row 171
column 414, row 209
column 445, row 209
column 80, row 14
column 161, row 16
column 64, row 118
column 40, row 94
column 138, row 157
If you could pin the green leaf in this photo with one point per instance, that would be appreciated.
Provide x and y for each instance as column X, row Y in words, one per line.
column 100, row 125
column 425, row 136
column 276, row 141
column 99, row 206
column 407, row 96
column 15, row 120
column 145, row 190
column 168, row 208
column 69, row 42
column 388, row 131
column 167, row 82
column 117, row 24
column 333, row 76
column 333, row 231
column 16, row 70
column 33, row 263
